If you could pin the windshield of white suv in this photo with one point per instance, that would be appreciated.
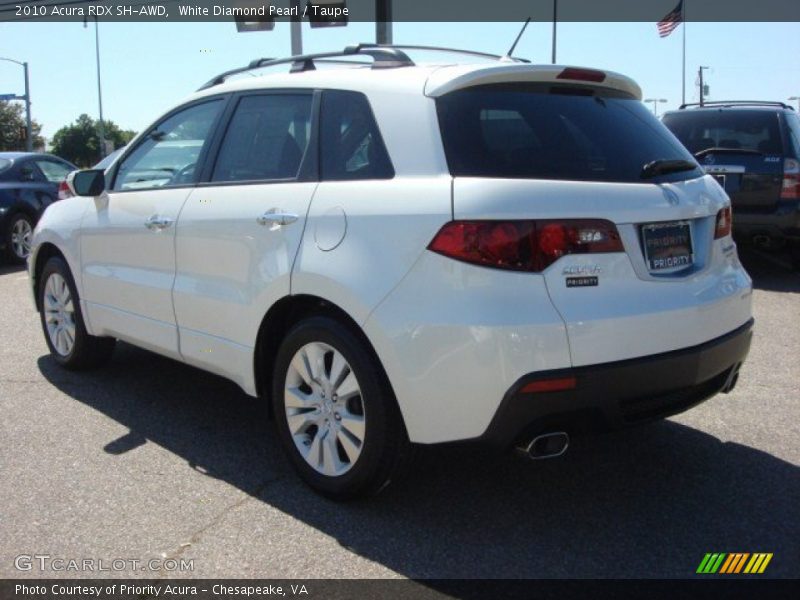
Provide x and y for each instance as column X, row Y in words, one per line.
column 542, row 131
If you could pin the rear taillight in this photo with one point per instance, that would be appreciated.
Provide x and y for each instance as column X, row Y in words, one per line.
column 524, row 245
column 790, row 190
column 724, row 223
column 63, row 191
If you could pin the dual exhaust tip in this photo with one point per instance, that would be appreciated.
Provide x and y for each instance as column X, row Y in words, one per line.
column 547, row 445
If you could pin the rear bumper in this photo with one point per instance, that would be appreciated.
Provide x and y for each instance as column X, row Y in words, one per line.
column 622, row 393
column 784, row 222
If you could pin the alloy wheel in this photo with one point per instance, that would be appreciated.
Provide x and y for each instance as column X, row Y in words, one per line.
column 324, row 409
column 59, row 314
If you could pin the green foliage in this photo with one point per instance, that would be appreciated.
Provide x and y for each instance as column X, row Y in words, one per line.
column 79, row 142
column 12, row 128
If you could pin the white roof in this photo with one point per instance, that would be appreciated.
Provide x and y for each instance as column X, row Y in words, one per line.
column 432, row 80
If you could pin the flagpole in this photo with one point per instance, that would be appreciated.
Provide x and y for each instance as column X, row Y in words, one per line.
column 683, row 78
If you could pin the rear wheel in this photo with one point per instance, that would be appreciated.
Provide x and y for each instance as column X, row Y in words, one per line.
column 62, row 322
column 336, row 416
column 18, row 238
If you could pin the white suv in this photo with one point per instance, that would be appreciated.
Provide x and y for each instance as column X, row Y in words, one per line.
column 393, row 253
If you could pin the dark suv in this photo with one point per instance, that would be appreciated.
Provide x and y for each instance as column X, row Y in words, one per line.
column 753, row 150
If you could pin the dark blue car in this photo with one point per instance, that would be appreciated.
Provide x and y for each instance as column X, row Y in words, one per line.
column 753, row 151
column 29, row 183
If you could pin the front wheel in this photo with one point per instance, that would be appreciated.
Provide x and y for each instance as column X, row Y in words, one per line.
column 62, row 321
column 336, row 416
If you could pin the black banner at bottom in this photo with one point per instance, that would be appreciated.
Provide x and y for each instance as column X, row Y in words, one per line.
column 368, row 589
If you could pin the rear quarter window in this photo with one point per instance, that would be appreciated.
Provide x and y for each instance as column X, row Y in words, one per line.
column 538, row 131
column 4, row 164
column 351, row 144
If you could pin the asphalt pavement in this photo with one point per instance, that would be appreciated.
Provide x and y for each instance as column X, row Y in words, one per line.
column 148, row 459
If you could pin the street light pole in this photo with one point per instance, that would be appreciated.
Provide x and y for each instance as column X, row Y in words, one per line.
column 99, row 90
column 27, row 98
column 555, row 21
column 655, row 102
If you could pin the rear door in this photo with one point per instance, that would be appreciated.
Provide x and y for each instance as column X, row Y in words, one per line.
column 551, row 155
column 742, row 149
column 239, row 231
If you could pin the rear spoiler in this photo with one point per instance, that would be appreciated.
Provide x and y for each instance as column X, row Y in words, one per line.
column 449, row 79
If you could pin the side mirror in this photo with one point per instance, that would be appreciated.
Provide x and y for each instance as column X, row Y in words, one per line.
column 88, row 183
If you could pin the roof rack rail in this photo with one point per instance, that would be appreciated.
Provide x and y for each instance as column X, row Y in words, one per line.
column 736, row 102
column 382, row 58
column 446, row 49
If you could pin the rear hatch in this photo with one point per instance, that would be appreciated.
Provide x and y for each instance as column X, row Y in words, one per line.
column 741, row 148
column 584, row 188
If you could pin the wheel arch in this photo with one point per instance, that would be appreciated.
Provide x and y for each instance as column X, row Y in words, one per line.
column 44, row 253
column 285, row 314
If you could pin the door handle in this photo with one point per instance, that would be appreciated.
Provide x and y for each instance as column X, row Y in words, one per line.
column 157, row 223
column 276, row 217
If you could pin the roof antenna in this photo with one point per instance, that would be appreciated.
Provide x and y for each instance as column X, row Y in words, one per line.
column 507, row 56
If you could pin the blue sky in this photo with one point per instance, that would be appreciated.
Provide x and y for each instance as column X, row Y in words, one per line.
column 146, row 68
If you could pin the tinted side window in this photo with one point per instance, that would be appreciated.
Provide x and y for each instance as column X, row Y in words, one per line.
column 352, row 147
column 266, row 139
column 169, row 154
column 54, row 172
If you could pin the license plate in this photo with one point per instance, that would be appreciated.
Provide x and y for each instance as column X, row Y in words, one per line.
column 668, row 246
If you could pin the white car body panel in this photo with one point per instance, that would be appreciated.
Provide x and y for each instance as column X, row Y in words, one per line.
column 128, row 270
column 454, row 337
column 630, row 313
column 232, row 268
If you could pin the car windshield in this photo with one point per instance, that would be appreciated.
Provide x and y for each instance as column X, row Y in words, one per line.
column 543, row 131
column 749, row 130
column 4, row 164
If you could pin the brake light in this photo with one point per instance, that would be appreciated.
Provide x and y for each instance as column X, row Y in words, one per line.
column 790, row 190
column 524, row 245
column 63, row 191
column 550, row 385
column 582, row 75
column 724, row 223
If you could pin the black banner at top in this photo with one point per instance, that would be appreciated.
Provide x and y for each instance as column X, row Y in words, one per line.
column 342, row 11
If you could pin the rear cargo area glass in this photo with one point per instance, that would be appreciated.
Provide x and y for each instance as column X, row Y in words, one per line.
column 753, row 130
column 535, row 131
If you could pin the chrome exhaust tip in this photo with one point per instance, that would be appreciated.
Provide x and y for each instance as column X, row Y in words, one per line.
column 547, row 445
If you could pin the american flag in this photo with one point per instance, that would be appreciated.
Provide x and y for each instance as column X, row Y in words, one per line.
column 671, row 20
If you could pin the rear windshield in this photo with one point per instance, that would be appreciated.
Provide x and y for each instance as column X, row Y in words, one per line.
column 535, row 131
column 699, row 130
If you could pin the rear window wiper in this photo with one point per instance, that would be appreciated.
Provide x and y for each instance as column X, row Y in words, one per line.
column 718, row 150
column 663, row 166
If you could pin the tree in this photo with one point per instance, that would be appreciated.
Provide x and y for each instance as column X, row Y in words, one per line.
column 79, row 142
column 12, row 128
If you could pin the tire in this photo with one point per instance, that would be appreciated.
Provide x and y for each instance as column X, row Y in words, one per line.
column 343, row 447
column 62, row 321
column 18, row 234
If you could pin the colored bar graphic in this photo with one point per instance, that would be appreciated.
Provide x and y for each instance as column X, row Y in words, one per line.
column 734, row 563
